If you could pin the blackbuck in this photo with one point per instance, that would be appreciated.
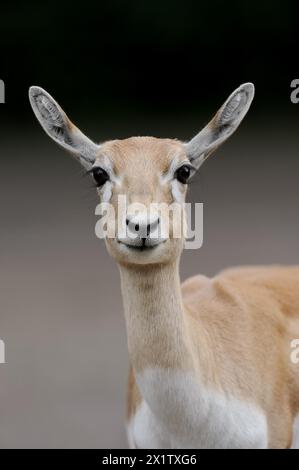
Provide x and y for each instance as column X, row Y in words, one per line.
column 210, row 359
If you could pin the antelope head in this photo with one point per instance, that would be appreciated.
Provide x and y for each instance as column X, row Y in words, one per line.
column 149, row 174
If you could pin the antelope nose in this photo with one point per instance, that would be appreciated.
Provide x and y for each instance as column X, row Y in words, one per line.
column 142, row 226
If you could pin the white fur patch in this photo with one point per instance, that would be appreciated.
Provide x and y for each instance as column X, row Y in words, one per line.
column 180, row 412
column 105, row 192
column 177, row 193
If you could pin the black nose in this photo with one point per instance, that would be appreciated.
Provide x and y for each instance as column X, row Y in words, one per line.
column 145, row 229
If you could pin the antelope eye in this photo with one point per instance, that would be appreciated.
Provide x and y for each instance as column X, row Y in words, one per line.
column 183, row 174
column 100, row 176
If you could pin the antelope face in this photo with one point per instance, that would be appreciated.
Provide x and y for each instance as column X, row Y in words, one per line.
column 142, row 179
column 145, row 180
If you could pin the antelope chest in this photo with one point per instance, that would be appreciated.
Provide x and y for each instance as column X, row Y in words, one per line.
column 177, row 411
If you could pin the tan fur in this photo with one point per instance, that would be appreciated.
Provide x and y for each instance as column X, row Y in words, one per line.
column 231, row 334
column 249, row 316
column 134, row 397
column 234, row 330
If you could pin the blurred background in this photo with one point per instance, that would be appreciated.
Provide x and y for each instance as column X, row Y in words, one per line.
column 123, row 68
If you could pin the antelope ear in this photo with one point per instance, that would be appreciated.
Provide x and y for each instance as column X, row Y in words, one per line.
column 223, row 124
column 57, row 125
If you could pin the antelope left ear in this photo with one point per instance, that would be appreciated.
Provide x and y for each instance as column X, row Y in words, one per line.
column 222, row 126
column 58, row 126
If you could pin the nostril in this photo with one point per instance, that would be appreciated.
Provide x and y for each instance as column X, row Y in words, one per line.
column 131, row 225
column 152, row 226
column 143, row 230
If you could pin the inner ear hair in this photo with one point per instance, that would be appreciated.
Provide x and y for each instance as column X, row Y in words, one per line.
column 58, row 126
column 54, row 118
column 223, row 124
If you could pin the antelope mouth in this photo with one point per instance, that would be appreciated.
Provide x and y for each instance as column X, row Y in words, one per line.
column 145, row 245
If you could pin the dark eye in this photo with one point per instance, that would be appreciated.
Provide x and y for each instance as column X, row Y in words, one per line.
column 183, row 174
column 100, row 176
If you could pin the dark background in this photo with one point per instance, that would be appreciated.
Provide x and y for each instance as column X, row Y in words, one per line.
column 126, row 68
column 157, row 56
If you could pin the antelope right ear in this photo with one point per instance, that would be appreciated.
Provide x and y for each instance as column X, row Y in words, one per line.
column 58, row 126
column 222, row 126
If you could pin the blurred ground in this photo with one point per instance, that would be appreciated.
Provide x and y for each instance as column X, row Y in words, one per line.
column 60, row 307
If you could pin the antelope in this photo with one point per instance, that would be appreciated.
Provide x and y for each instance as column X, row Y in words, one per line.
column 210, row 359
